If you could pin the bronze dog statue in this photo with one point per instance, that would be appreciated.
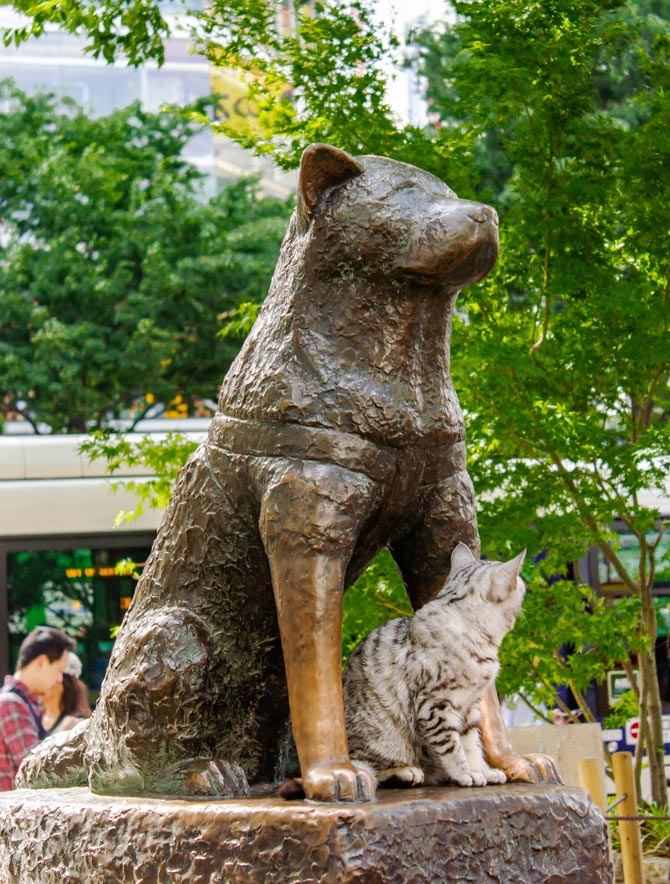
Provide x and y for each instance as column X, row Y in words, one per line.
column 338, row 433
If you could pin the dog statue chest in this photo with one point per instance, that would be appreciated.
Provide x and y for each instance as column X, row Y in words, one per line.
column 359, row 364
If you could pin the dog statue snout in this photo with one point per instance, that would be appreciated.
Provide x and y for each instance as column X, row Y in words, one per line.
column 483, row 214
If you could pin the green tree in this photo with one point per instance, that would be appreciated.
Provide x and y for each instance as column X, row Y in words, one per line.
column 564, row 364
column 113, row 266
column 560, row 356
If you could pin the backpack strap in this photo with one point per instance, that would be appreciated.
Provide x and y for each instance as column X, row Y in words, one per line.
column 41, row 733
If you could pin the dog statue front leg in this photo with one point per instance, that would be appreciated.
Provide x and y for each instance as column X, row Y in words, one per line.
column 499, row 753
column 308, row 591
column 310, row 519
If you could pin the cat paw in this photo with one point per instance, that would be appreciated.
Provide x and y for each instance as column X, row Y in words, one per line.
column 495, row 777
column 474, row 778
column 402, row 777
column 339, row 782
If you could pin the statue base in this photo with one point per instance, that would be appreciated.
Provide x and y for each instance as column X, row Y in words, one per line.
column 518, row 834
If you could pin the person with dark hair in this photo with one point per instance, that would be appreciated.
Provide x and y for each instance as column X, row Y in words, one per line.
column 66, row 703
column 42, row 660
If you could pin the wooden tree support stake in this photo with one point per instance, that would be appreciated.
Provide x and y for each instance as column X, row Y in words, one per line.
column 592, row 778
column 629, row 830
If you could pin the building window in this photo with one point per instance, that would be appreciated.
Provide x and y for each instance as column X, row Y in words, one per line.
column 74, row 585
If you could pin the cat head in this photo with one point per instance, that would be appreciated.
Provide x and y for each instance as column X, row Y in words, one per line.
column 480, row 583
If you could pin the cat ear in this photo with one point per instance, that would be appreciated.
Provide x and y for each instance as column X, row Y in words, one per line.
column 461, row 557
column 321, row 167
column 504, row 578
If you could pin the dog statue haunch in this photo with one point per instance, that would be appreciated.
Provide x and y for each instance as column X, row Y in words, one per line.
column 338, row 433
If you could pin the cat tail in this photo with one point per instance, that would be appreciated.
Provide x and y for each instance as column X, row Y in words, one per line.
column 56, row 762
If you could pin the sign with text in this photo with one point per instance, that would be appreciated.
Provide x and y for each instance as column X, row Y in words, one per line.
column 618, row 683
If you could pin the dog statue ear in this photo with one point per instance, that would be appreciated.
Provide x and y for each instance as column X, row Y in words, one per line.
column 322, row 167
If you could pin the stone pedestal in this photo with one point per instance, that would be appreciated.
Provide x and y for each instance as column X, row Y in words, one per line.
column 514, row 834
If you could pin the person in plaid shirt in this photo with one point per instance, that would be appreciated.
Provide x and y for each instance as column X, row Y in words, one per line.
column 40, row 665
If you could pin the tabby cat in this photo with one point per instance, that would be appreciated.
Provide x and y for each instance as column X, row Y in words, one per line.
column 412, row 687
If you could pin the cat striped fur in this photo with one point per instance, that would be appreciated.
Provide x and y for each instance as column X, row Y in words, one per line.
column 412, row 688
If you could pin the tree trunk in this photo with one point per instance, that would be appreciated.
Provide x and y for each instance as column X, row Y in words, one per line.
column 653, row 713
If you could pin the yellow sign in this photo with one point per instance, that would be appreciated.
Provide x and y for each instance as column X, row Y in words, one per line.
column 90, row 572
column 234, row 107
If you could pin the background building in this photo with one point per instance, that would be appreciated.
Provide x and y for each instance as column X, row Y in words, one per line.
column 56, row 62
column 406, row 89
column 59, row 547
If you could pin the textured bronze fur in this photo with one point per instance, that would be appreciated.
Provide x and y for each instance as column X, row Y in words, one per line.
column 338, row 432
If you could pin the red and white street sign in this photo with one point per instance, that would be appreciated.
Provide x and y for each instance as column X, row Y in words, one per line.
column 632, row 730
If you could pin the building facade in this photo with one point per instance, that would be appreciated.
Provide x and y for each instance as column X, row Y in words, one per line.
column 59, row 547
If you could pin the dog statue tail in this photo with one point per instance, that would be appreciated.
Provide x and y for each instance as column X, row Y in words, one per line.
column 57, row 762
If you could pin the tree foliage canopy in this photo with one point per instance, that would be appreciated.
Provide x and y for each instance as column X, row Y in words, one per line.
column 113, row 266
column 563, row 363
